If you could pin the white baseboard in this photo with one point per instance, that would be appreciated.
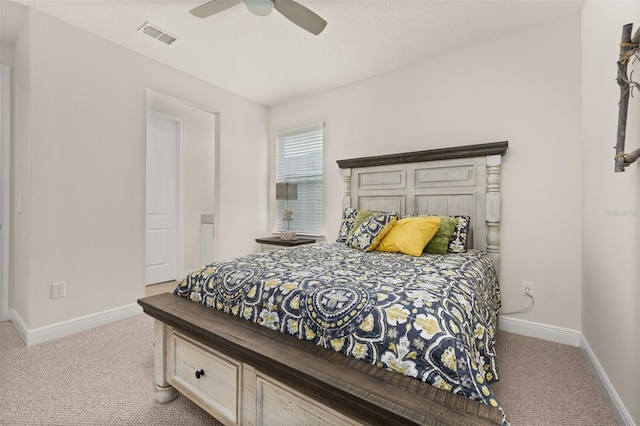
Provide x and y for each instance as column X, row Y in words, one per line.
column 65, row 328
column 552, row 333
column 616, row 404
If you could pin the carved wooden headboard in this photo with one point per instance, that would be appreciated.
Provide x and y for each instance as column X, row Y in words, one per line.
column 448, row 181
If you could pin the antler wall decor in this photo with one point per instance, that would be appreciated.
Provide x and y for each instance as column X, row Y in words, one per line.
column 628, row 49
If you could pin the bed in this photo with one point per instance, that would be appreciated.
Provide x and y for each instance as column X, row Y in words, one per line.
column 331, row 333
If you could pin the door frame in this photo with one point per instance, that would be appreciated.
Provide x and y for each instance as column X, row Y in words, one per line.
column 179, row 156
column 5, row 188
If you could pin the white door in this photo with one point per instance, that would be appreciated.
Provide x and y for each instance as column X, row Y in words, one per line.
column 162, row 200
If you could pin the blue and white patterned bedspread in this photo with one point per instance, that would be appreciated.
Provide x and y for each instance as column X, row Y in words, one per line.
column 430, row 317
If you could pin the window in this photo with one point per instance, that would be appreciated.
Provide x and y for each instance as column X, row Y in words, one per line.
column 299, row 161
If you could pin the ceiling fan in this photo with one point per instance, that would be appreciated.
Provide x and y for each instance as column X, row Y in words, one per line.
column 293, row 11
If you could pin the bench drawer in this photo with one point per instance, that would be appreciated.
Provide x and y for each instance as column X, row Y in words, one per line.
column 210, row 377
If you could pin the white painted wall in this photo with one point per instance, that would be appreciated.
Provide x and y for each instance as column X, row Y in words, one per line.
column 198, row 170
column 20, row 169
column 611, row 209
column 5, row 189
column 524, row 88
column 79, row 169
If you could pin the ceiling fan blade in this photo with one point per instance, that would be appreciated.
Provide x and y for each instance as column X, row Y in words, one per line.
column 213, row 7
column 301, row 16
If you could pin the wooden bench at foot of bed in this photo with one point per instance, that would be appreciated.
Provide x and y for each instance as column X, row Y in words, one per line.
column 244, row 373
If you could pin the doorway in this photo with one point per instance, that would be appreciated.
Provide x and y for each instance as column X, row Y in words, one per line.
column 163, row 198
column 198, row 182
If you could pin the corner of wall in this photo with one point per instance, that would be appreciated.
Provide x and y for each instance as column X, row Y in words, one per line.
column 19, row 193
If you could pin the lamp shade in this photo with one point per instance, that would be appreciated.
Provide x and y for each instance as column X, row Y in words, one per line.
column 286, row 191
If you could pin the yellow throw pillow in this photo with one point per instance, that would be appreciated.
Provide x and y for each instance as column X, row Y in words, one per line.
column 410, row 235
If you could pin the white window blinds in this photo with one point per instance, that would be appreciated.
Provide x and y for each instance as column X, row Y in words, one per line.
column 299, row 161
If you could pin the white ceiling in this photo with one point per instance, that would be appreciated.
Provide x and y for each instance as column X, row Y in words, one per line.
column 270, row 60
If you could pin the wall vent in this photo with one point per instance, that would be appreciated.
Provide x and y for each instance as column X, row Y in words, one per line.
column 157, row 33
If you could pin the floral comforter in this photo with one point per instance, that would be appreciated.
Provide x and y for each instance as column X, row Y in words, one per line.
column 430, row 317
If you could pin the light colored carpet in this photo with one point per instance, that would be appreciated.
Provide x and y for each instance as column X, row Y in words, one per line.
column 544, row 383
column 105, row 377
column 102, row 376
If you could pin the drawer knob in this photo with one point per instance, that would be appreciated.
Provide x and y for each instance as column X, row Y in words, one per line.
column 199, row 374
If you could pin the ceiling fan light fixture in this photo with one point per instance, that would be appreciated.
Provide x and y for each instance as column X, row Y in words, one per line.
column 300, row 15
column 259, row 7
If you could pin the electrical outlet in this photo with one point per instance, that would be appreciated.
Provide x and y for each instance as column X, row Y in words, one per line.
column 527, row 288
column 57, row 290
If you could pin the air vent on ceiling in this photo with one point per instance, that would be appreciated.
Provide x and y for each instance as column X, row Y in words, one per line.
column 157, row 33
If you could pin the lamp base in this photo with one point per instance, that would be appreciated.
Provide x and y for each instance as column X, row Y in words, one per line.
column 288, row 235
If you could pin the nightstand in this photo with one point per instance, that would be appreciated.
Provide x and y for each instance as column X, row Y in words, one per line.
column 272, row 243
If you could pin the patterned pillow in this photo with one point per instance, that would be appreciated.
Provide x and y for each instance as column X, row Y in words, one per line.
column 458, row 241
column 361, row 215
column 439, row 244
column 372, row 230
column 348, row 217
